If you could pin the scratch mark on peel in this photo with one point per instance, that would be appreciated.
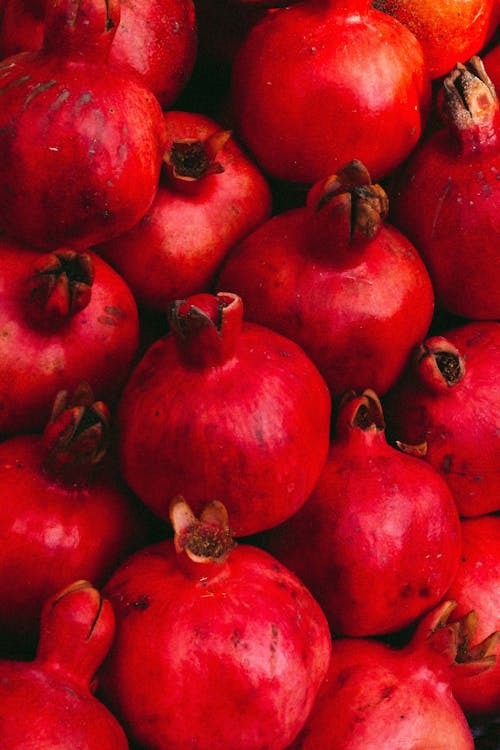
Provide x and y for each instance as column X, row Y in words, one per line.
column 40, row 88
column 439, row 205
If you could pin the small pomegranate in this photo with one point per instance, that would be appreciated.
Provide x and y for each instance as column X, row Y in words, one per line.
column 448, row 399
column 322, row 82
column 64, row 317
column 377, row 697
column 333, row 276
column 48, row 703
column 224, row 408
column 211, row 195
column 477, row 587
column 216, row 645
column 81, row 145
column 447, row 197
column 65, row 512
column 378, row 540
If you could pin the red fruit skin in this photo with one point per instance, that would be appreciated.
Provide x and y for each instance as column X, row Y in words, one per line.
column 97, row 344
column 373, row 697
column 47, row 703
column 378, row 540
column 357, row 316
column 459, row 423
column 177, row 247
column 318, row 84
column 155, row 40
column 252, row 429
column 491, row 62
column 477, row 587
column 241, row 648
column 54, row 533
column 450, row 31
column 80, row 144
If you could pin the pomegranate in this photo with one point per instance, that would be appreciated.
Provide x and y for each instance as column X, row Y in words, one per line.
column 322, row 82
column 447, row 198
column 491, row 61
column 477, row 587
column 448, row 30
column 65, row 512
column 81, row 145
column 223, row 408
column 155, row 40
column 334, row 277
column 378, row 541
column 216, row 645
column 374, row 696
column 64, row 317
column 210, row 197
column 449, row 399
column 48, row 703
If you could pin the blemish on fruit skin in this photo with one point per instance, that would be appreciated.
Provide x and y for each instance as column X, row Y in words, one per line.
column 40, row 88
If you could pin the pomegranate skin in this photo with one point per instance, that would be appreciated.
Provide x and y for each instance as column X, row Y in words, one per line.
column 374, row 697
column 448, row 398
column 357, row 310
column 176, row 248
column 224, row 410
column 48, row 703
column 96, row 343
column 80, row 145
column 378, row 540
column 477, row 587
column 320, row 83
column 212, row 654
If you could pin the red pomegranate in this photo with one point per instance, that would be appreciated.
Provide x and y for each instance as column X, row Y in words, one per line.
column 48, row 703
column 216, row 645
column 65, row 513
column 155, row 39
column 227, row 409
column 322, row 82
column 81, row 145
column 491, row 61
column 477, row 587
column 350, row 289
column 448, row 399
column 378, row 541
column 64, row 317
column 449, row 31
column 377, row 697
column 211, row 196
column 447, row 198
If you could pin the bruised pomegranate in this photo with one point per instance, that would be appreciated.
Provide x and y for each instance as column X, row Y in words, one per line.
column 224, row 408
column 210, row 196
column 81, row 145
column 337, row 279
column 476, row 586
column 48, row 703
column 447, row 197
column 448, row 399
column 216, row 645
column 378, row 540
column 64, row 317
column 65, row 512
column 377, row 697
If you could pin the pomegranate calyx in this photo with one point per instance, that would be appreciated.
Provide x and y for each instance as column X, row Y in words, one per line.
column 191, row 159
column 77, row 435
column 361, row 413
column 205, row 540
column 60, row 286
column 347, row 208
column 439, row 364
column 470, row 104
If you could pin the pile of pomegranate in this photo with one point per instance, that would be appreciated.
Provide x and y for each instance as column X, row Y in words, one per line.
column 249, row 375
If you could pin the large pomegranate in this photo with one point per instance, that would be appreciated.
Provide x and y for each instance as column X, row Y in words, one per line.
column 337, row 279
column 48, row 703
column 216, row 645
column 378, row 540
column 64, row 317
column 81, row 145
column 222, row 408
